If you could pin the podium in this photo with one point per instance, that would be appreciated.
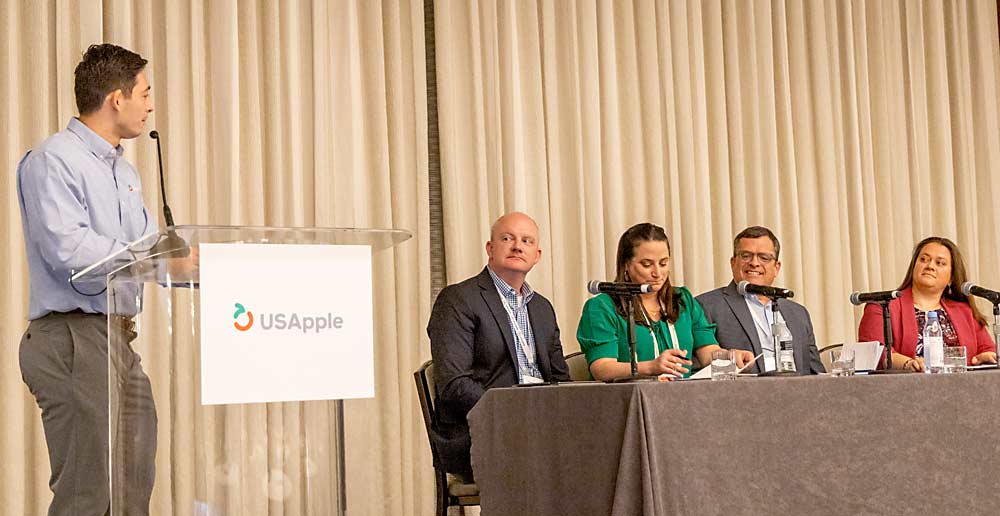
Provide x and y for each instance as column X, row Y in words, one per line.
column 168, row 449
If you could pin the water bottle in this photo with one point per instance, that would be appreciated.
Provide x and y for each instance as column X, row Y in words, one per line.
column 933, row 344
column 786, row 353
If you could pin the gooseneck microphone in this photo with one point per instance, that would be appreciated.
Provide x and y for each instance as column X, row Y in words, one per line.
column 618, row 288
column 745, row 287
column 168, row 217
column 971, row 289
column 862, row 298
column 173, row 243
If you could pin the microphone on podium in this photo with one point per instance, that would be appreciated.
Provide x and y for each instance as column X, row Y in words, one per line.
column 172, row 243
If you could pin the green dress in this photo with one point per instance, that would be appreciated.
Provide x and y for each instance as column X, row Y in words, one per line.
column 603, row 333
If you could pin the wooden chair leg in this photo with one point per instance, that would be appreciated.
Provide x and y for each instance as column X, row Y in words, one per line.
column 441, row 486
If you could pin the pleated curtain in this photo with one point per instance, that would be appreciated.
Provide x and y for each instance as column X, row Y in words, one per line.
column 303, row 113
column 852, row 129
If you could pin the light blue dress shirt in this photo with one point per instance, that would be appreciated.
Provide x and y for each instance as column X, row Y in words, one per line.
column 763, row 318
column 80, row 202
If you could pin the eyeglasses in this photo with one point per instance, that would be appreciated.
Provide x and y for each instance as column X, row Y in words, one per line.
column 763, row 258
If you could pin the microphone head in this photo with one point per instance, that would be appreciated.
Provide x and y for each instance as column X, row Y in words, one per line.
column 646, row 288
column 895, row 294
column 154, row 135
column 967, row 288
column 854, row 298
column 741, row 287
column 593, row 288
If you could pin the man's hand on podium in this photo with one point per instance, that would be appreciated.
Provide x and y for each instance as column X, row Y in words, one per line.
column 184, row 269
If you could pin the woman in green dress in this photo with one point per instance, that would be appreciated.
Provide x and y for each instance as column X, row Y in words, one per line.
column 670, row 325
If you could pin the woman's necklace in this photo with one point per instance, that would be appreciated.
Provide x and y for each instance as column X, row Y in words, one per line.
column 654, row 314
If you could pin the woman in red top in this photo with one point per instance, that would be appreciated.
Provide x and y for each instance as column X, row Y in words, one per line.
column 933, row 283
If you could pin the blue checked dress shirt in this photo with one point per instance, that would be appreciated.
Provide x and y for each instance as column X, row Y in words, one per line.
column 525, row 364
column 80, row 202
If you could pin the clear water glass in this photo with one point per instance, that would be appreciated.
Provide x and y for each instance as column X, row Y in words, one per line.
column 954, row 359
column 723, row 365
column 843, row 362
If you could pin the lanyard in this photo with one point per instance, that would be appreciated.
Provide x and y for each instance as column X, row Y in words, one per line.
column 673, row 344
column 520, row 338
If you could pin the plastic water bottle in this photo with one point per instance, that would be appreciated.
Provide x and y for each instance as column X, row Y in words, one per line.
column 933, row 344
column 786, row 352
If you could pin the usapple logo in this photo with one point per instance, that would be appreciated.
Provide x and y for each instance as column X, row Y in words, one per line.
column 236, row 316
column 287, row 321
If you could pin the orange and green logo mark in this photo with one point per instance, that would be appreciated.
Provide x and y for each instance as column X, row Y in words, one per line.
column 236, row 316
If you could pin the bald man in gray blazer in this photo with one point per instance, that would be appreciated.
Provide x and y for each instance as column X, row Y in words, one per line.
column 743, row 322
column 491, row 330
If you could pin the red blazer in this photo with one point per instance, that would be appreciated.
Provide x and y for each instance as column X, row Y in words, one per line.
column 971, row 334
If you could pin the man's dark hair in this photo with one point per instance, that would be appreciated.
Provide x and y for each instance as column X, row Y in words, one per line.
column 104, row 69
column 757, row 232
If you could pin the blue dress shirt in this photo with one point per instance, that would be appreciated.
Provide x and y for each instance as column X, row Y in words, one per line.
column 80, row 202
column 763, row 318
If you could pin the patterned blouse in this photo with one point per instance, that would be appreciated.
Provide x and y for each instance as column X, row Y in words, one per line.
column 947, row 329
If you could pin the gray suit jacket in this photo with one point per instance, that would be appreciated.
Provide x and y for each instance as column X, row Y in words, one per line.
column 473, row 350
column 735, row 328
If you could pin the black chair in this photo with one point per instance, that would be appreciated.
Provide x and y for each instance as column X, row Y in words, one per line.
column 450, row 491
column 826, row 355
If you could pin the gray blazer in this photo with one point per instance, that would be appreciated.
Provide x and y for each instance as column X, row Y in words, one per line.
column 473, row 350
column 735, row 328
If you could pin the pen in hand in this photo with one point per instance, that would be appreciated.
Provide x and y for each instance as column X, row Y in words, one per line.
column 750, row 363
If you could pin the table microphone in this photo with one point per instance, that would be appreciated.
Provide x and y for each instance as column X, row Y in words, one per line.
column 861, row 298
column 745, row 287
column 971, row 289
column 618, row 288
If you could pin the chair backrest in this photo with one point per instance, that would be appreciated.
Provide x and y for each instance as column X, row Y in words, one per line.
column 424, row 378
column 826, row 355
column 579, row 370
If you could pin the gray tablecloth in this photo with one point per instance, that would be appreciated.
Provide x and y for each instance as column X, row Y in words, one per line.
column 887, row 444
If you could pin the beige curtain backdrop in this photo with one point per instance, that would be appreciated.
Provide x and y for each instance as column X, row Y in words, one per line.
column 292, row 113
column 853, row 129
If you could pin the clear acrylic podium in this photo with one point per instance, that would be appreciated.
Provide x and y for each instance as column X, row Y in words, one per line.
column 210, row 460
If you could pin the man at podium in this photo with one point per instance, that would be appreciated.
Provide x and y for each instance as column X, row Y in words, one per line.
column 81, row 201
column 491, row 330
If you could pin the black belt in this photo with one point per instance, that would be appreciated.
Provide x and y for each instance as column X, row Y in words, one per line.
column 123, row 322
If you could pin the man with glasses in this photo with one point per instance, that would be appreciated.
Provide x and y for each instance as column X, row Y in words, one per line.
column 744, row 322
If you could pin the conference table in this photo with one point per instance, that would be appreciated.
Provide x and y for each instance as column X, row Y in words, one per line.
column 867, row 444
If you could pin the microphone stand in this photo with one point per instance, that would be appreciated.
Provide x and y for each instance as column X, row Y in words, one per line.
column 632, row 354
column 996, row 326
column 887, row 337
column 775, row 343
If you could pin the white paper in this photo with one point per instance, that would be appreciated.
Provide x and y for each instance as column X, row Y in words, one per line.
column 866, row 354
column 705, row 373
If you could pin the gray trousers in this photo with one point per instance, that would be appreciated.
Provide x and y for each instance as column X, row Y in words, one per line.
column 64, row 362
